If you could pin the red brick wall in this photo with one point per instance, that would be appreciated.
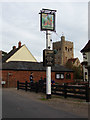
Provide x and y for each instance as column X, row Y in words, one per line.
column 11, row 77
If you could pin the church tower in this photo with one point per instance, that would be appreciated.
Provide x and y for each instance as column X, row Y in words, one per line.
column 64, row 51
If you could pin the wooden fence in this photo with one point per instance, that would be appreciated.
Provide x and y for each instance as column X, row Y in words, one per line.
column 79, row 91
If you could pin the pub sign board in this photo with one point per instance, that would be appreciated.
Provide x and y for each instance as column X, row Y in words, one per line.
column 47, row 20
column 48, row 57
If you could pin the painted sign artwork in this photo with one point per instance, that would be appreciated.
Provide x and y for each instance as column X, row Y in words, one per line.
column 47, row 21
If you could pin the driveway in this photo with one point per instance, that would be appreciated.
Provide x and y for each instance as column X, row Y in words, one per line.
column 21, row 104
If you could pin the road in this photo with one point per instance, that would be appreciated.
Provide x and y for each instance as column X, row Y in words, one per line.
column 19, row 104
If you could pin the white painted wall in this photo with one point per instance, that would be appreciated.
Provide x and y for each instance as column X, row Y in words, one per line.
column 88, row 58
column 85, row 77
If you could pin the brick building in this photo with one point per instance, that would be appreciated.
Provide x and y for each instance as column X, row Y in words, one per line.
column 19, row 63
column 20, row 70
column 64, row 51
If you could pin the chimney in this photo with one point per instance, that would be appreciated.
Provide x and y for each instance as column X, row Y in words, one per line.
column 14, row 47
column 19, row 44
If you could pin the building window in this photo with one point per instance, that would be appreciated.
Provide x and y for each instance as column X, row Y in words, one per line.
column 86, row 76
column 66, row 48
column 59, row 48
column 70, row 49
column 68, row 76
column 84, row 56
column 2, row 55
column 59, row 75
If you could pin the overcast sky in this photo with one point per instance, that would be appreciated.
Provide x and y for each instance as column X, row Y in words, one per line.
column 20, row 21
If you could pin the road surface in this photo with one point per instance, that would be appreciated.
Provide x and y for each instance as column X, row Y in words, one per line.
column 20, row 104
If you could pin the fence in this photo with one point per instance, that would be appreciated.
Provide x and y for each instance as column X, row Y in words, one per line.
column 79, row 91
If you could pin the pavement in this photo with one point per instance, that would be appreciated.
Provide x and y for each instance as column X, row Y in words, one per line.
column 22, row 104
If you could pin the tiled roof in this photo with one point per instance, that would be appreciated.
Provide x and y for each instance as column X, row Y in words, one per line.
column 2, row 54
column 31, row 66
column 84, row 63
column 72, row 60
column 86, row 48
column 6, row 57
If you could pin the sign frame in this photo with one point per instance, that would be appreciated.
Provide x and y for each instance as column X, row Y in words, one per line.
column 47, row 57
column 41, row 20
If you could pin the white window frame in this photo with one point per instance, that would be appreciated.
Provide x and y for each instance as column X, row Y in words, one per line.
column 59, row 76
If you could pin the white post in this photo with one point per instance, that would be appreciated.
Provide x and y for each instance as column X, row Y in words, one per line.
column 48, row 69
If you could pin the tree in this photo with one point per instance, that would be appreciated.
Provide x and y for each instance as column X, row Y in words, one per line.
column 77, row 70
